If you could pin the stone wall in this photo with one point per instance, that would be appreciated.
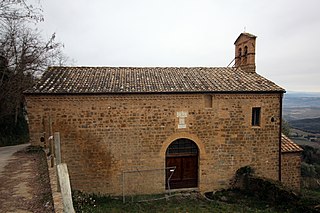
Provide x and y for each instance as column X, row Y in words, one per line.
column 104, row 135
column 291, row 170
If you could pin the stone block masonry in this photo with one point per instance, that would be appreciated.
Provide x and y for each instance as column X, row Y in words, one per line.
column 104, row 135
column 291, row 170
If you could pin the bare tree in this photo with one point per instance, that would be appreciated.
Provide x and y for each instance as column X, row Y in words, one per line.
column 24, row 55
column 19, row 9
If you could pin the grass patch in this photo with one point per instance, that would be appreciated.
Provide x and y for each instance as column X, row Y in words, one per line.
column 248, row 194
column 229, row 202
column 311, row 198
column 223, row 201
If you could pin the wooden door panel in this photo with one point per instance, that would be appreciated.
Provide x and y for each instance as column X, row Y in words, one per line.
column 190, row 168
column 171, row 162
column 185, row 174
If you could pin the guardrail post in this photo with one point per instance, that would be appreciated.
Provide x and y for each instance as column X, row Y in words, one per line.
column 65, row 188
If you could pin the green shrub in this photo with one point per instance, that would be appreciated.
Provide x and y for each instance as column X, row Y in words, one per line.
column 308, row 170
column 317, row 170
column 12, row 133
column 262, row 188
column 311, row 155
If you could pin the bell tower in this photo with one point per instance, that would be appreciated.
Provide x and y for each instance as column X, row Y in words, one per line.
column 245, row 51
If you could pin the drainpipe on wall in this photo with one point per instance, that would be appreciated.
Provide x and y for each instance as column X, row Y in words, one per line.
column 280, row 134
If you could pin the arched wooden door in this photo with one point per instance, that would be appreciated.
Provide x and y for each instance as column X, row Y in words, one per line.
column 182, row 154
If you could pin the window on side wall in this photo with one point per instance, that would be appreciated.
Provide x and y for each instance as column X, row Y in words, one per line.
column 256, row 116
column 207, row 101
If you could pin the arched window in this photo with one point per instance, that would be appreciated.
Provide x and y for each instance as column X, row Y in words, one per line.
column 245, row 51
column 245, row 55
column 239, row 52
column 182, row 146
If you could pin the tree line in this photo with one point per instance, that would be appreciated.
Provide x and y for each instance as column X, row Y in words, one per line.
column 24, row 55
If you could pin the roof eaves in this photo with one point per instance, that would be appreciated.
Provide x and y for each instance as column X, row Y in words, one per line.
column 155, row 92
column 288, row 146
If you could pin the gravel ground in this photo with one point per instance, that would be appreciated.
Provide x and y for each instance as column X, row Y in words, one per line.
column 24, row 183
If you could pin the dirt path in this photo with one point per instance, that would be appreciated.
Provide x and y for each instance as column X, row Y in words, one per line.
column 24, row 183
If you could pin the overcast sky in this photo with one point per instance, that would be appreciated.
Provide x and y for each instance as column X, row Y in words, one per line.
column 185, row 33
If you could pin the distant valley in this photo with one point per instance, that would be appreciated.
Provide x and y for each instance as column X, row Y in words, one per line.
column 301, row 105
column 302, row 110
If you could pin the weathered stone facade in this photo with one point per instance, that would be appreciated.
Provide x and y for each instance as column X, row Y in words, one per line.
column 291, row 170
column 290, row 163
column 103, row 136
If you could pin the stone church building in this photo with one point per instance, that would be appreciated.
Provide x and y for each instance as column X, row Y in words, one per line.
column 142, row 130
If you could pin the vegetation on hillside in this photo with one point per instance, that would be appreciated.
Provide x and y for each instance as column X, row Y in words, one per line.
column 309, row 125
column 285, row 128
column 13, row 132
column 310, row 167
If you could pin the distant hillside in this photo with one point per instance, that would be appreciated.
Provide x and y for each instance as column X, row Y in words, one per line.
column 309, row 125
column 301, row 99
column 292, row 94
column 301, row 105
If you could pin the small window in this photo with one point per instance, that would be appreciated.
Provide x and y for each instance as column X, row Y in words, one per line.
column 256, row 116
column 208, row 101
column 182, row 146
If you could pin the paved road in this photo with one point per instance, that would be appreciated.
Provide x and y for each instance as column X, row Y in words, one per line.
column 7, row 152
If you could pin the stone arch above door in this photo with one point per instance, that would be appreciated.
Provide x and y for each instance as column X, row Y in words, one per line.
column 194, row 138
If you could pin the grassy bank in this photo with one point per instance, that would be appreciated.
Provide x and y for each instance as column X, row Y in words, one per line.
column 228, row 201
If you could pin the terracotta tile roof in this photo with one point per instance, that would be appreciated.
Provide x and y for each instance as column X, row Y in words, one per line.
column 245, row 34
column 75, row 80
column 288, row 145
